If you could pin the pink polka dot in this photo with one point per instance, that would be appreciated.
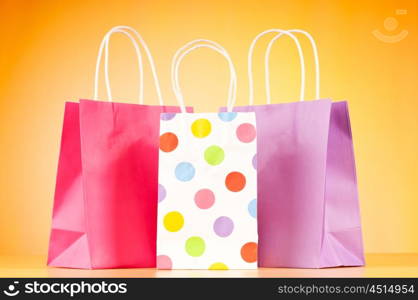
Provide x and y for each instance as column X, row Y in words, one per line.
column 204, row 198
column 246, row 132
column 164, row 262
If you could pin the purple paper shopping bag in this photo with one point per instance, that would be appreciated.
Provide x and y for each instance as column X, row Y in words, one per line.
column 308, row 210
column 105, row 205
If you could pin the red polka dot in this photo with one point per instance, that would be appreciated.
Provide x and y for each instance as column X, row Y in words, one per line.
column 164, row 262
column 235, row 181
column 249, row 252
column 168, row 142
column 246, row 132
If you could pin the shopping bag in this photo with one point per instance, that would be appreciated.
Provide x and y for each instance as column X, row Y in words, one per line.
column 105, row 205
column 207, row 184
column 308, row 209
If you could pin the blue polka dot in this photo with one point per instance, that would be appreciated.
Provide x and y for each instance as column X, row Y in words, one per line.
column 184, row 171
column 227, row 116
column 252, row 208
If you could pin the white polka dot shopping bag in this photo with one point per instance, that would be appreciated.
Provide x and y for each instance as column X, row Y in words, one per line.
column 207, row 206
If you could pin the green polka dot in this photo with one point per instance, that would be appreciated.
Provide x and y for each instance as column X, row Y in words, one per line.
column 195, row 246
column 214, row 155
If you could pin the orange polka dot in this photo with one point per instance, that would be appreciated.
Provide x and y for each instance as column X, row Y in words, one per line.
column 235, row 181
column 168, row 142
column 249, row 252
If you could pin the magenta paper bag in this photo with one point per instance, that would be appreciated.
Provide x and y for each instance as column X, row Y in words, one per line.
column 308, row 210
column 105, row 206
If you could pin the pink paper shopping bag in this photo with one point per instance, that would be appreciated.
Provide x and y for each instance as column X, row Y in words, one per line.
column 308, row 210
column 105, row 205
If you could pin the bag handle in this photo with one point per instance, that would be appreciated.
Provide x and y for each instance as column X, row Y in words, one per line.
column 126, row 30
column 250, row 56
column 267, row 57
column 185, row 50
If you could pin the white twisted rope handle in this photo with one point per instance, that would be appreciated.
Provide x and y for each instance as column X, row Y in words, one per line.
column 105, row 45
column 250, row 56
column 267, row 57
column 185, row 50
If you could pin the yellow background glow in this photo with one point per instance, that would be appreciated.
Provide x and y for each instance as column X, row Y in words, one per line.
column 47, row 56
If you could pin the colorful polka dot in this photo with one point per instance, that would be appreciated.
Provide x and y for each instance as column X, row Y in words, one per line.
column 249, row 252
column 167, row 116
column 252, row 208
column 173, row 221
column 214, row 155
column 164, row 262
column 227, row 116
column 195, row 246
column 218, row 266
column 204, row 198
column 246, row 132
column 223, row 226
column 184, row 171
column 162, row 193
column 168, row 142
column 235, row 181
column 201, row 128
column 207, row 212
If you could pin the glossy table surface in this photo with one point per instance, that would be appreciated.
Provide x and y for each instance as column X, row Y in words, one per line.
column 377, row 265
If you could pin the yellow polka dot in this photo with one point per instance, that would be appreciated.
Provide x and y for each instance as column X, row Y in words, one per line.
column 218, row 266
column 173, row 221
column 201, row 128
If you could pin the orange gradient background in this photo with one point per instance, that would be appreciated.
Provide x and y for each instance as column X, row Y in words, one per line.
column 47, row 56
